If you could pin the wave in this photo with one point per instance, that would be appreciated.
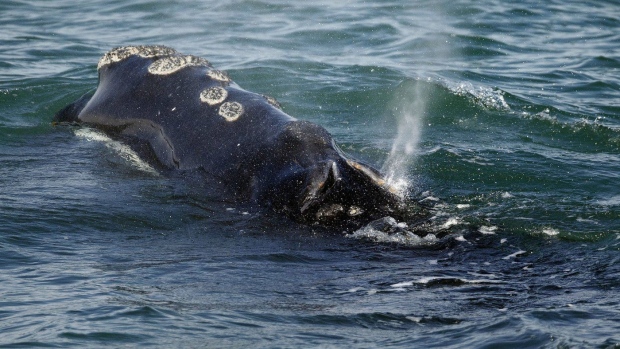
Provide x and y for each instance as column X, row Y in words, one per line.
column 460, row 104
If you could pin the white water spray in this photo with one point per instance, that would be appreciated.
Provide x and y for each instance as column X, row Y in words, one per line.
column 410, row 109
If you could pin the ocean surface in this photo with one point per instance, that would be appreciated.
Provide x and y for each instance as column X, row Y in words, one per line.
column 501, row 118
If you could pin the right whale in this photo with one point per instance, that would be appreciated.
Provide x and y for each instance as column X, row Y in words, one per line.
column 179, row 113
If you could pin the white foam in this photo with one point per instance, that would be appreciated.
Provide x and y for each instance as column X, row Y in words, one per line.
column 487, row 230
column 513, row 255
column 430, row 279
column 451, row 222
column 485, row 97
column 396, row 233
column 402, row 284
column 482, row 275
column 121, row 149
column 414, row 319
column 611, row 201
column 404, row 238
column 355, row 289
column 90, row 134
column 550, row 231
column 398, row 185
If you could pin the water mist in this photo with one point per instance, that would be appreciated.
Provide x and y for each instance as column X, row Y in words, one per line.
column 409, row 106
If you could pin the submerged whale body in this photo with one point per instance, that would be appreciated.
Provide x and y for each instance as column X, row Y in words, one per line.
column 181, row 114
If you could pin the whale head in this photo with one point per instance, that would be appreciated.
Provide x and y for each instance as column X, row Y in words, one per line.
column 313, row 181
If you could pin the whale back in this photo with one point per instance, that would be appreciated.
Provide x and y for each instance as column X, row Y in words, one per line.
column 179, row 112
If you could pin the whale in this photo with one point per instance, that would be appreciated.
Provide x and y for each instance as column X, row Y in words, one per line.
column 181, row 114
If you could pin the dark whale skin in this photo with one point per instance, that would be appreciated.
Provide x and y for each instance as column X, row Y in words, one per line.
column 180, row 114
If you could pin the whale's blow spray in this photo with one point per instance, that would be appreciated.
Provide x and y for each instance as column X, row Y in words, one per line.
column 409, row 107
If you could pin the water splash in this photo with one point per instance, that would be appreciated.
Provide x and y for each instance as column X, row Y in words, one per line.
column 410, row 109
column 485, row 97
column 388, row 230
column 121, row 149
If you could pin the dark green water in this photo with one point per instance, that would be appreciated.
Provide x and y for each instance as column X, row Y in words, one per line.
column 504, row 118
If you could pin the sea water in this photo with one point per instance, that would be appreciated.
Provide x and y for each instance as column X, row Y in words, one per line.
column 501, row 119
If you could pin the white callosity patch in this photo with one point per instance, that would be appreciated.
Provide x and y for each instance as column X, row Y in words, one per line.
column 376, row 178
column 213, row 95
column 218, row 75
column 231, row 111
column 171, row 64
column 355, row 211
column 120, row 53
column 273, row 102
column 116, row 55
